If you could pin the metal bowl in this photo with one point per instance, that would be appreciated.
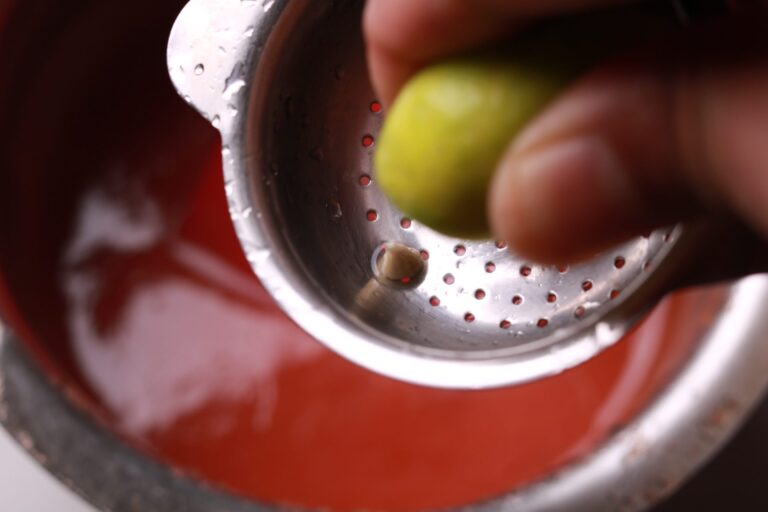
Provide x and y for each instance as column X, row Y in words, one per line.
column 698, row 410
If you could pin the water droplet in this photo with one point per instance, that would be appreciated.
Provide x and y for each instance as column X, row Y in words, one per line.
column 229, row 187
column 334, row 207
column 257, row 257
column 235, row 81
column 233, row 88
column 241, row 214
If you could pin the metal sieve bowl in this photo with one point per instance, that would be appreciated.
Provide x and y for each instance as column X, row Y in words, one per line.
column 285, row 83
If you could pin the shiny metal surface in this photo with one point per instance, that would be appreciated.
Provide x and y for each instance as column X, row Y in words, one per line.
column 640, row 465
column 286, row 85
column 682, row 430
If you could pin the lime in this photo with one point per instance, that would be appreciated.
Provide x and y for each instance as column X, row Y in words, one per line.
column 451, row 124
column 447, row 131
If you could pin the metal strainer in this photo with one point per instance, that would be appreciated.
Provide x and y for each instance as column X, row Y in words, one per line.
column 285, row 83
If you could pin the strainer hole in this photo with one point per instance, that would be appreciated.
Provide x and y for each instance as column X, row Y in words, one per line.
column 551, row 297
column 667, row 237
column 542, row 323
column 434, row 302
column 375, row 107
column 517, row 300
column 365, row 180
column 406, row 223
column 469, row 318
column 647, row 266
column 505, row 324
column 563, row 269
column 501, row 244
column 490, row 267
column 424, row 255
column 479, row 294
column 587, row 285
column 619, row 262
column 580, row 312
column 372, row 215
column 615, row 294
column 368, row 141
column 525, row 271
column 460, row 250
column 449, row 279
column 334, row 207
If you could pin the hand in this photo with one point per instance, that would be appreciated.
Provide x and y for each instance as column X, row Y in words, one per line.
column 665, row 133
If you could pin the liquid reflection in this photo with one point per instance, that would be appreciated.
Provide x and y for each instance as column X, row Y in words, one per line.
column 148, row 344
column 187, row 351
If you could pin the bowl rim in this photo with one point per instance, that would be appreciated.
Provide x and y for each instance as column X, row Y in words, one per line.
column 698, row 411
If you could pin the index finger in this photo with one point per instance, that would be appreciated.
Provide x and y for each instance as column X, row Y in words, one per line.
column 404, row 35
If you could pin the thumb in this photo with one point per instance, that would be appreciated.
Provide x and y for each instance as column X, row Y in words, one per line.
column 660, row 136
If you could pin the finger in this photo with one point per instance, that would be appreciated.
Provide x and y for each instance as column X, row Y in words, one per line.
column 642, row 143
column 403, row 35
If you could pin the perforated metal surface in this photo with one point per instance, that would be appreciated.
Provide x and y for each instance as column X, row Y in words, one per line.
column 286, row 84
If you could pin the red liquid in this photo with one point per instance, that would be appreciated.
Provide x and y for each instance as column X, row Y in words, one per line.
column 127, row 277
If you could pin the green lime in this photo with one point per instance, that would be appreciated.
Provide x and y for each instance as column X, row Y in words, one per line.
column 447, row 131
column 451, row 124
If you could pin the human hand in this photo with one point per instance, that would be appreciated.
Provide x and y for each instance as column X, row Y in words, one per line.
column 667, row 133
